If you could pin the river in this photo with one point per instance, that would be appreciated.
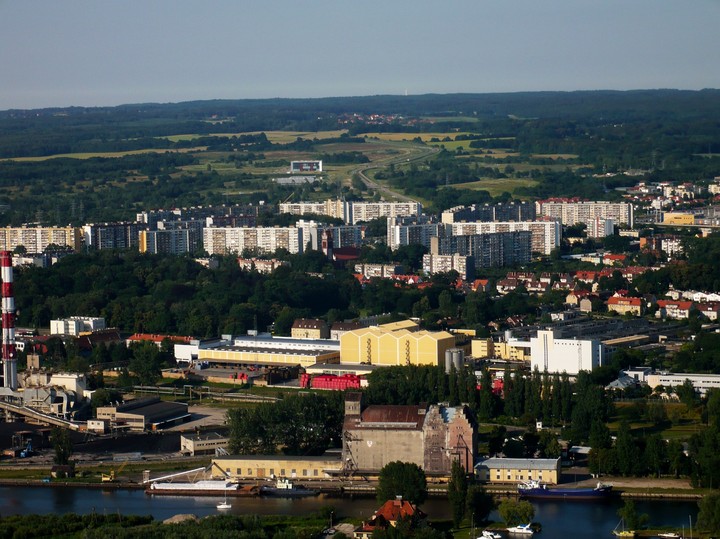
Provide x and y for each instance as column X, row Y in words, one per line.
column 578, row 520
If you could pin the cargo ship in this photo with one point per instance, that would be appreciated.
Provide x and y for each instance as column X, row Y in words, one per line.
column 535, row 490
column 202, row 488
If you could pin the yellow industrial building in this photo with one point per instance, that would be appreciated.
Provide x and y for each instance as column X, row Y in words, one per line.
column 487, row 348
column 386, row 347
column 281, row 356
column 676, row 218
column 507, row 470
column 268, row 466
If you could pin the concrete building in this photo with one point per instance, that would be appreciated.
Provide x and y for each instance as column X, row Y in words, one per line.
column 254, row 467
column 495, row 249
column 571, row 212
column 403, row 231
column 332, row 208
column 701, row 382
column 464, row 265
column 306, row 328
column 203, row 444
column 36, row 239
column 175, row 241
column 75, row 325
column 623, row 305
column 144, row 414
column 545, row 235
column 271, row 351
column 501, row 211
column 363, row 212
column 224, row 241
column 551, row 354
column 506, row 470
column 260, row 265
column 430, row 436
column 120, row 235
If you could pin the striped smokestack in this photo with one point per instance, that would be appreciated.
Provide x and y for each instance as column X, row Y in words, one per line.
column 9, row 355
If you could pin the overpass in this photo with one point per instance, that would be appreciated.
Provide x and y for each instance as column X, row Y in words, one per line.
column 41, row 417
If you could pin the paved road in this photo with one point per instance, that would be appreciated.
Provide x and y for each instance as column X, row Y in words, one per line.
column 413, row 152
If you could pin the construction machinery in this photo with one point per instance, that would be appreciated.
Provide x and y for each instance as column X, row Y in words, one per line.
column 113, row 475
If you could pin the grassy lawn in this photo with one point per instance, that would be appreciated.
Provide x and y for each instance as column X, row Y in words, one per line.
column 496, row 186
column 90, row 155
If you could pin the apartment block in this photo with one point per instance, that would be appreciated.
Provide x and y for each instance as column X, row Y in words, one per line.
column 496, row 249
column 120, row 235
column 223, row 241
column 545, row 235
column 502, row 211
column 464, row 265
column 37, row 239
column 407, row 231
column 574, row 212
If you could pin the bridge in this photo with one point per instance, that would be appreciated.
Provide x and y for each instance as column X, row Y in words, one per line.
column 38, row 416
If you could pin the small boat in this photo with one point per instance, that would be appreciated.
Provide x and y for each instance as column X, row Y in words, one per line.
column 224, row 504
column 489, row 534
column 521, row 529
column 622, row 532
column 670, row 535
column 287, row 489
column 535, row 490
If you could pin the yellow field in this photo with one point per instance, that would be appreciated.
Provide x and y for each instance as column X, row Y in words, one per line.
column 90, row 155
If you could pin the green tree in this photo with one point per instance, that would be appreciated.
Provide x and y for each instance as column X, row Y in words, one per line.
column 516, row 512
column 62, row 445
column 457, row 492
column 479, row 503
column 404, row 479
column 628, row 456
column 709, row 515
column 146, row 363
column 629, row 513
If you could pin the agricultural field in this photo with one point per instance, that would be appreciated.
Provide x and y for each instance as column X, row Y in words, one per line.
column 110, row 155
column 495, row 186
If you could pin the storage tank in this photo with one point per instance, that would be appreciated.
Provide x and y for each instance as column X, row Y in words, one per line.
column 458, row 358
column 448, row 360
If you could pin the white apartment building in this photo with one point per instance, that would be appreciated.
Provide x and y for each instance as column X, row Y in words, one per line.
column 545, row 235
column 464, row 265
column 36, row 239
column 399, row 234
column 564, row 355
column 571, row 213
column 223, row 241
column 353, row 212
column 76, row 325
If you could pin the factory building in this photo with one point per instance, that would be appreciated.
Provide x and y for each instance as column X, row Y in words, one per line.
column 548, row 353
column 515, row 470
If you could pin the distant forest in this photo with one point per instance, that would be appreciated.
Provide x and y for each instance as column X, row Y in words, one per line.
column 668, row 134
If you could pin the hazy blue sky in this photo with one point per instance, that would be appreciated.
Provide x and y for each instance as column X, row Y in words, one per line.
column 107, row 52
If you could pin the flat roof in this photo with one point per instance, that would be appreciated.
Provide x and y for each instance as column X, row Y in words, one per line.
column 260, row 458
column 276, row 351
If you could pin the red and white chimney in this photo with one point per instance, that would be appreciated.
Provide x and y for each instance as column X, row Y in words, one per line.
column 9, row 354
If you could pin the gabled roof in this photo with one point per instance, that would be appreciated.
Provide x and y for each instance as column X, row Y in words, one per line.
column 394, row 510
column 680, row 305
column 618, row 300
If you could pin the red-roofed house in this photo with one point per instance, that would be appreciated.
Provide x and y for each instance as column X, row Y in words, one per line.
column 623, row 305
column 389, row 514
column 585, row 276
column 614, row 260
column 678, row 310
column 481, row 285
column 709, row 310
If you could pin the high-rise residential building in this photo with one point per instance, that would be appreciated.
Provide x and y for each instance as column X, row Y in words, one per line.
column 120, row 235
column 410, row 231
column 545, row 235
column 501, row 211
column 173, row 241
column 36, row 239
column 495, row 249
column 571, row 212
column 464, row 265
column 224, row 241
column 352, row 212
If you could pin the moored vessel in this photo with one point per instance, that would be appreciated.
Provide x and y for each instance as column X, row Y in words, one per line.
column 535, row 490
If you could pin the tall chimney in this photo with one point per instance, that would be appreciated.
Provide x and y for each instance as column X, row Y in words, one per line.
column 9, row 355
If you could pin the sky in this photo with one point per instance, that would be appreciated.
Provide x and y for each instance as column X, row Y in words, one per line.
column 57, row 53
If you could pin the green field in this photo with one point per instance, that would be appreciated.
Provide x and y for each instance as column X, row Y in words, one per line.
column 496, row 186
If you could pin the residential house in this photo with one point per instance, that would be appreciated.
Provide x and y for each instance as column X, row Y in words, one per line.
column 623, row 305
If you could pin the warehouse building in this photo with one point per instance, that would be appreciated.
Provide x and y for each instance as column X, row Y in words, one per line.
column 507, row 470
column 248, row 467
column 143, row 414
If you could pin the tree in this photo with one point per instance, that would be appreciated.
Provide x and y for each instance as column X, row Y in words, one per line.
column 629, row 513
column 146, row 363
column 404, row 479
column 626, row 449
column 479, row 503
column 709, row 515
column 62, row 444
column 457, row 492
column 516, row 512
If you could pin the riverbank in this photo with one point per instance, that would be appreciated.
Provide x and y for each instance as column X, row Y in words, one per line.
column 644, row 492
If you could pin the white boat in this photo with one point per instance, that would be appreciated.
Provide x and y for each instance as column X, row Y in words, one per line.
column 521, row 529
column 670, row 535
column 489, row 534
column 224, row 504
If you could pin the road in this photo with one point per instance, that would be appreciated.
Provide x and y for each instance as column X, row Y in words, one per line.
column 413, row 152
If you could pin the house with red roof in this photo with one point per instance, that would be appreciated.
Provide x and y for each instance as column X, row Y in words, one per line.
column 610, row 259
column 481, row 285
column 389, row 514
column 586, row 276
column 677, row 310
column 709, row 310
column 625, row 305
column 158, row 339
